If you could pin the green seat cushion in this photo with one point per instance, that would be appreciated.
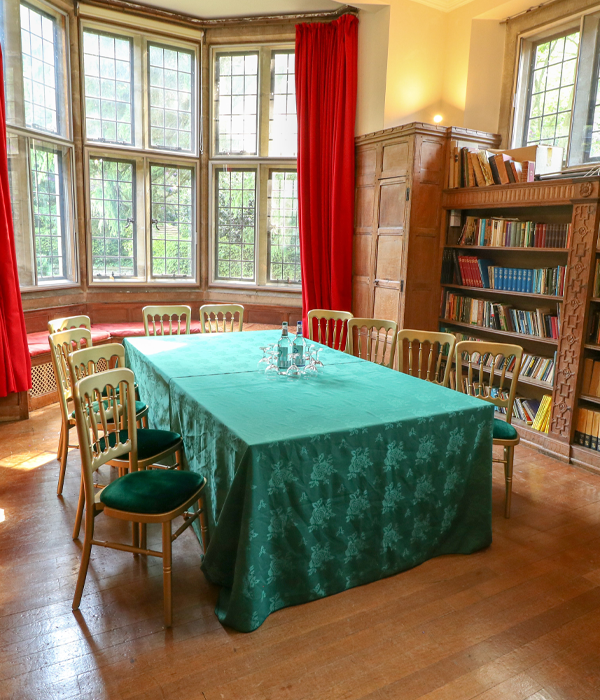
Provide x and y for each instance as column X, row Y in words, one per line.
column 504, row 430
column 139, row 407
column 150, row 442
column 153, row 491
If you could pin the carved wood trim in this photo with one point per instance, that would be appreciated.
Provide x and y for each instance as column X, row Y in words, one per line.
column 525, row 194
column 573, row 321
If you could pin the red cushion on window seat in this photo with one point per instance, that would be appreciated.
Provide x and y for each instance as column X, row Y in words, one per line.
column 38, row 342
column 127, row 330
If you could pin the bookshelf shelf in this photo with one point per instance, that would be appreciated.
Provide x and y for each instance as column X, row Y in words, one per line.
column 574, row 201
column 494, row 331
column 522, row 380
column 545, row 297
column 513, row 249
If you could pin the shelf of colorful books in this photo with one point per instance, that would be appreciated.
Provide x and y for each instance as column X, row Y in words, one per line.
column 513, row 249
column 526, row 432
column 545, row 386
column 503, row 292
column 494, row 331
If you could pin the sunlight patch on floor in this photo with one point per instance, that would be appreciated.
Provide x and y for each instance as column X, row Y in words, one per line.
column 27, row 460
column 2, row 518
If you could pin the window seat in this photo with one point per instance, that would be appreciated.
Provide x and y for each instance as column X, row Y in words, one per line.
column 43, row 390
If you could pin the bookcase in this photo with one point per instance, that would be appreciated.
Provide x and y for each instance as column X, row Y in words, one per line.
column 571, row 205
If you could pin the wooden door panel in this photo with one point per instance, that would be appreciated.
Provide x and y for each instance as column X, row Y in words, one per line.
column 389, row 258
column 396, row 159
column 362, row 297
column 392, row 205
column 386, row 304
column 366, row 165
column 363, row 211
column 431, row 161
column 361, row 254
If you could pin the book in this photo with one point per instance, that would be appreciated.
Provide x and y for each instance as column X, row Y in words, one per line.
column 499, row 232
column 500, row 160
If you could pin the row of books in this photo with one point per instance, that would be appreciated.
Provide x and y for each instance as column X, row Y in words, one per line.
column 590, row 383
column 471, row 271
column 472, row 167
column 512, row 233
column 587, row 428
column 541, row 323
column 535, row 367
column 531, row 411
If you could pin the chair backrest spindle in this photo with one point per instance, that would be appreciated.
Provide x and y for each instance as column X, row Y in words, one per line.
column 432, row 349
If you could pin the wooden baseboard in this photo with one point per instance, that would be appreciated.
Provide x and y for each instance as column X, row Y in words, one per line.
column 14, row 407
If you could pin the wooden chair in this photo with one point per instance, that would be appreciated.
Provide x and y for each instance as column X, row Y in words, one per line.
column 480, row 382
column 92, row 360
column 372, row 339
column 65, row 324
column 434, row 354
column 61, row 346
column 214, row 318
column 329, row 327
column 141, row 496
column 154, row 315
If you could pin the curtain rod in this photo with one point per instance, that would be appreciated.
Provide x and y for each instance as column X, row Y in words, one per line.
column 529, row 9
column 135, row 8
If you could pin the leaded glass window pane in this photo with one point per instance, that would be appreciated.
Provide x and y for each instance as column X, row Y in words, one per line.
column 552, row 89
column 284, row 241
column 283, row 122
column 39, row 54
column 172, row 238
column 108, row 69
column 112, row 217
column 236, row 103
column 236, row 224
column 47, row 191
column 171, row 80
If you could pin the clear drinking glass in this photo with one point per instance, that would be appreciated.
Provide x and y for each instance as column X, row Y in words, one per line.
column 293, row 370
column 265, row 351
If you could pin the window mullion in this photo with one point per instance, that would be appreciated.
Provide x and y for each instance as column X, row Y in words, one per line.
column 263, row 233
column 265, row 88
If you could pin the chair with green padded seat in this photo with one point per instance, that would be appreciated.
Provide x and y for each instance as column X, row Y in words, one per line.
column 485, row 362
column 91, row 361
column 221, row 318
column 56, row 325
column 141, row 496
column 167, row 320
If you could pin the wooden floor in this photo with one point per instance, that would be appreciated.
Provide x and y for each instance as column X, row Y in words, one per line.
column 519, row 620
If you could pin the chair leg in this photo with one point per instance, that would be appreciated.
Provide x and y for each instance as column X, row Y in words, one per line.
column 79, row 514
column 61, row 437
column 508, row 474
column 64, row 449
column 143, row 536
column 166, row 552
column 203, row 524
column 135, row 535
column 145, row 421
column 85, row 559
column 179, row 457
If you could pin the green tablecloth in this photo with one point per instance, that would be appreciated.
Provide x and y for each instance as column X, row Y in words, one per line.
column 315, row 486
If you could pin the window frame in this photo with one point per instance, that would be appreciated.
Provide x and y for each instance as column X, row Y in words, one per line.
column 62, row 139
column 521, row 41
column 262, row 163
column 143, row 153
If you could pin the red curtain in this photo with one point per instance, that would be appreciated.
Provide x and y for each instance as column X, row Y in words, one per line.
column 326, row 69
column 15, row 365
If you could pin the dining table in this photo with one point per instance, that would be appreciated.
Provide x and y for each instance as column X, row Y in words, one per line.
column 316, row 484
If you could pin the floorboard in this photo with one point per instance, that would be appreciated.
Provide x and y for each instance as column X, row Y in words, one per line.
column 518, row 621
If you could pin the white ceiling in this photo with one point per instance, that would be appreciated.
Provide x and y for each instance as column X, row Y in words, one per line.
column 243, row 8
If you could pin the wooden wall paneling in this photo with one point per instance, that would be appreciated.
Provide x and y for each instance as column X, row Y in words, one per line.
column 14, row 407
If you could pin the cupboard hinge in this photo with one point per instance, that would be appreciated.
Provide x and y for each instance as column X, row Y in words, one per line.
column 407, row 193
column 401, row 286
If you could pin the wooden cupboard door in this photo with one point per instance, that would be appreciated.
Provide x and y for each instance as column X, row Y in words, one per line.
column 364, row 226
column 392, row 211
column 396, row 158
